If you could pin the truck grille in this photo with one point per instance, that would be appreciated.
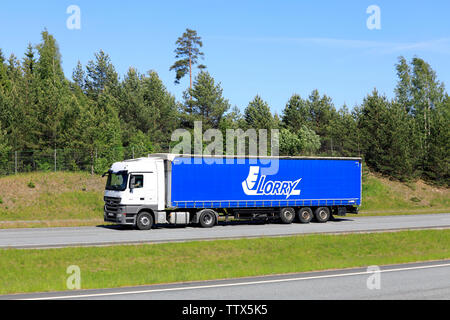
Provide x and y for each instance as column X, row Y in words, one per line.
column 111, row 203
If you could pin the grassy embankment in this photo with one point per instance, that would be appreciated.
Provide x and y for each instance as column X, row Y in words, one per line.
column 382, row 196
column 74, row 199
column 116, row 266
column 49, row 199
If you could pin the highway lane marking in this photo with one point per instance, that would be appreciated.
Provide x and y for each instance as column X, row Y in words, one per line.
column 236, row 284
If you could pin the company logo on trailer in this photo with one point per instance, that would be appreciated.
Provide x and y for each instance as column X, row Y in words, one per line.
column 253, row 186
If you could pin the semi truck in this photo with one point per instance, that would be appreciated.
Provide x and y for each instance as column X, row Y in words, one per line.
column 198, row 189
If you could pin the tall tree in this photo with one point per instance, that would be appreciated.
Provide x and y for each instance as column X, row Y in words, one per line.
column 343, row 133
column 322, row 111
column 420, row 93
column 4, row 151
column 437, row 162
column 52, row 91
column 101, row 75
column 29, row 93
column 372, row 124
column 163, row 110
column 205, row 102
column 188, row 52
column 296, row 113
column 427, row 93
column 399, row 155
column 146, row 107
column 403, row 89
column 258, row 115
column 78, row 75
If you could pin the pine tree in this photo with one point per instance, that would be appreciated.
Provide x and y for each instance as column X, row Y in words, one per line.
column 398, row 157
column 205, row 102
column 234, row 119
column 188, row 52
column 437, row 163
column 4, row 151
column 296, row 114
column 343, row 134
column 372, row 123
column 162, row 109
column 322, row 111
column 258, row 116
column 100, row 76
column 51, row 90
column 78, row 76
column 12, row 103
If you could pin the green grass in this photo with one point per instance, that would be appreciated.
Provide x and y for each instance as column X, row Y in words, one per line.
column 55, row 196
column 381, row 196
column 116, row 266
column 66, row 205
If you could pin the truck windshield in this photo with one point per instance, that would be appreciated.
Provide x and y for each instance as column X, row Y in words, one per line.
column 117, row 181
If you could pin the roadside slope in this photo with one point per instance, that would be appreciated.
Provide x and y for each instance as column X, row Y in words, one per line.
column 48, row 198
column 58, row 199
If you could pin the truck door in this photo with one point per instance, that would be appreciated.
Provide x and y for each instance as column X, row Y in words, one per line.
column 144, row 188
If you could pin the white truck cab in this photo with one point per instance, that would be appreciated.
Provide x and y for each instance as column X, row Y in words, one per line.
column 134, row 186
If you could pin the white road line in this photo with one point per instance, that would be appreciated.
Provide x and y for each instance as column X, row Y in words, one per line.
column 236, row 284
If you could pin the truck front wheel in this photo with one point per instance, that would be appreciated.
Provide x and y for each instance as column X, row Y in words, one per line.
column 322, row 214
column 287, row 215
column 144, row 221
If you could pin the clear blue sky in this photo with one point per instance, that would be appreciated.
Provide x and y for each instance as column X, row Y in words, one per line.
column 271, row 48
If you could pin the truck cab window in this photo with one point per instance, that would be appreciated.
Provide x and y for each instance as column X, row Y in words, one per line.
column 138, row 181
column 117, row 181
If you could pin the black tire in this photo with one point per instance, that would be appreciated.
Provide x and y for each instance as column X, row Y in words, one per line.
column 287, row 215
column 207, row 218
column 144, row 221
column 322, row 214
column 304, row 215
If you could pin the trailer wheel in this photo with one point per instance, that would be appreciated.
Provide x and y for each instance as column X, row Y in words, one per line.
column 322, row 214
column 207, row 218
column 144, row 221
column 287, row 215
column 305, row 214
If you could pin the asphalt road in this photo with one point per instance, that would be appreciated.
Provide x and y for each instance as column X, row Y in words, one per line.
column 107, row 235
column 425, row 280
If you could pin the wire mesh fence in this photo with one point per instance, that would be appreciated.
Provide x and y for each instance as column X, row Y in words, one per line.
column 93, row 160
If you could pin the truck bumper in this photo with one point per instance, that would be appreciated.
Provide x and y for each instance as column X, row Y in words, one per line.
column 119, row 216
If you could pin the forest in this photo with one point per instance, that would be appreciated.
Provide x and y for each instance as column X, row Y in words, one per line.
column 98, row 117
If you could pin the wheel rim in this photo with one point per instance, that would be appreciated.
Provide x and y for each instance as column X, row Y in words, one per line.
column 207, row 219
column 323, row 214
column 145, row 221
column 305, row 215
column 288, row 214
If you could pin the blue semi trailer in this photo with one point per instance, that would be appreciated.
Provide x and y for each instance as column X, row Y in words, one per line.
column 188, row 189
